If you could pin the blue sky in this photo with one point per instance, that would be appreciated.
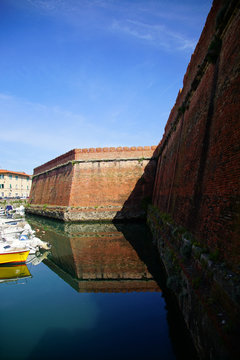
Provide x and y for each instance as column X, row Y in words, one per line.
column 90, row 73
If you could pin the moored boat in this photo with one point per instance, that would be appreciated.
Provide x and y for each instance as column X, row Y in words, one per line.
column 12, row 255
column 21, row 237
column 10, row 221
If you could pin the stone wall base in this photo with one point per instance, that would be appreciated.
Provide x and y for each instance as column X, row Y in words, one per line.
column 208, row 294
column 77, row 214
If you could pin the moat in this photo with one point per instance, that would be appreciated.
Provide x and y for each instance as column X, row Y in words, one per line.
column 99, row 294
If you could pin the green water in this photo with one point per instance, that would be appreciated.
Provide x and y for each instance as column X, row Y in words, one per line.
column 100, row 294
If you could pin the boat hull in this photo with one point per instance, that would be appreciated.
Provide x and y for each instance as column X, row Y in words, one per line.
column 14, row 257
column 13, row 272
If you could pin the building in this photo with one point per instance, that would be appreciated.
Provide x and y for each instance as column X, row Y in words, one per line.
column 95, row 184
column 14, row 184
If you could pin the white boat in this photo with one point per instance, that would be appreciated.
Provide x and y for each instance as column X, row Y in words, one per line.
column 10, row 230
column 20, row 209
column 10, row 254
column 23, row 237
column 18, row 234
column 10, row 221
column 12, row 227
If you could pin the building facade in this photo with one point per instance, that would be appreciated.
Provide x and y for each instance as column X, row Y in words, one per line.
column 14, row 184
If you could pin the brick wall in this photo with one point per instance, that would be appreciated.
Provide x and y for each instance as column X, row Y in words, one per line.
column 97, row 154
column 198, row 172
column 53, row 187
column 110, row 181
column 69, row 156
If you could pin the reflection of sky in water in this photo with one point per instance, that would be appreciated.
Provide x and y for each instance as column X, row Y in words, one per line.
column 44, row 302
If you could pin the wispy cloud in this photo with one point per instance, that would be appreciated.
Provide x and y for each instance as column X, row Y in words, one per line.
column 51, row 128
column 47, row 5
column 155, row 34
column 149, row 24
column 42, row 126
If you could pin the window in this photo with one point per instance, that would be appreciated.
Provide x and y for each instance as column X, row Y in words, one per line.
column 10, row 176
column 10, row 186
column 16, row 177
column 1, row 186
column 1, row 176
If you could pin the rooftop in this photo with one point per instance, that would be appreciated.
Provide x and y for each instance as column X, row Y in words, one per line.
column 2, row 171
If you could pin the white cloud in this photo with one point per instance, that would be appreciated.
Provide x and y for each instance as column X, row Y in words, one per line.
column 5, row 97
column 47, row 5
column 33, row 133
column 125, row 18
column 42, row 126
column 55, row 129
column 155, row 34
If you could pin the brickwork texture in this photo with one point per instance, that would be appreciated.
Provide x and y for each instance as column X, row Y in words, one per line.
column 198, row 171
column 102, row 183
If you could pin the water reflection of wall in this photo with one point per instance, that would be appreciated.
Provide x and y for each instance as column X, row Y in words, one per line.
column 98, row 257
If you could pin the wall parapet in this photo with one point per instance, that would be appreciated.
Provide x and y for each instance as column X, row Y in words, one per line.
column 102, row 160
column 104, row 154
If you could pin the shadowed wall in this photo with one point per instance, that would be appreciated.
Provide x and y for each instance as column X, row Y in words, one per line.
column 198, row 171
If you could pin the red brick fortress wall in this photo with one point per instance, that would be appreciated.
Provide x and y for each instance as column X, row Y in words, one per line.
column 198, row 172
column 52, row 186
column 97, row 154
column 94, row 184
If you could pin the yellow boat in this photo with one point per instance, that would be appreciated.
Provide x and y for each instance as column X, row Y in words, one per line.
column 13, row 273
column 13, row 256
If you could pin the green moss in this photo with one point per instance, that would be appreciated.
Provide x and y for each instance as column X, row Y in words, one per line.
column 195, row 84
column 215, row 255
column 186, row 250
column 166, row 218
column 140, row 161
column 196, row 243
column 214, row 50
column 203, row 263
column 182, row 109
column 196, row 282
column 174, row 283
column 146, row 202
column 220, row 16
column 179, row 230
